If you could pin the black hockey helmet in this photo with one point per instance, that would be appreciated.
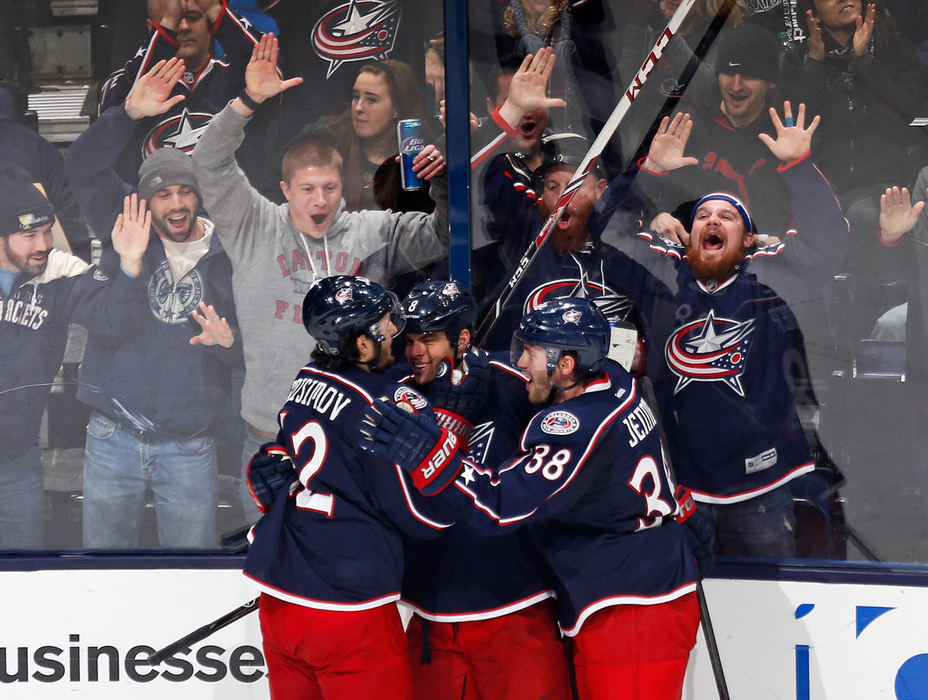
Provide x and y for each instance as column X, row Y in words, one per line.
column 438, row 305
column 566, row 324
column 337, row 309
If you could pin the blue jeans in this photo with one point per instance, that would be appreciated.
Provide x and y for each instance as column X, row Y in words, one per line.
column 21, row 501
column 120, row 465
column 764, row 526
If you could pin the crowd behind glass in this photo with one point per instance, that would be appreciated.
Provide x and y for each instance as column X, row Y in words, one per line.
column 169, row 422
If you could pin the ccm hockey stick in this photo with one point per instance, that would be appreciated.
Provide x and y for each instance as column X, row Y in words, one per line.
column 492, row 314
column 203, row 632
column 715, row 659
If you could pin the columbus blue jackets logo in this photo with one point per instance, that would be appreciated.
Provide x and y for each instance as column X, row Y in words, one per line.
column 359, row 30
column 560, row 423
column 181, row 131
column 710, row 350
column 614, row 305
column 170, row 301
column 415, row 399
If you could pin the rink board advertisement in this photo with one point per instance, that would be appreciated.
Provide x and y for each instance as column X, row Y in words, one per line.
column 86, row 633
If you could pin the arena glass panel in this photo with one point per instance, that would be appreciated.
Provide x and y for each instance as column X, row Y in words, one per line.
column 847, row 374
column 144, row 382
column 835, row 451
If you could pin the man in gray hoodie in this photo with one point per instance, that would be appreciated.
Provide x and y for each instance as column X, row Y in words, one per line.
column 278, row 251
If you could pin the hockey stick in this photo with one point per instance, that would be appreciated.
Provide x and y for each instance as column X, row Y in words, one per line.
column 204, row 632
column 712, row 645
column 492, row 314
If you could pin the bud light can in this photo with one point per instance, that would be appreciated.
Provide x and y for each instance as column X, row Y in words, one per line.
column 411, row 143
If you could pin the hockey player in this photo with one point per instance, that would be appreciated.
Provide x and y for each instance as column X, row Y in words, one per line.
column 328, row 553
column 278, row 251
column 498, row 639
column 726, row 344
column 588, row 478
column 42, row 290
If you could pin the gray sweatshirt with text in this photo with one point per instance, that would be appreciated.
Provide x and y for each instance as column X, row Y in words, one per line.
column 271, row 269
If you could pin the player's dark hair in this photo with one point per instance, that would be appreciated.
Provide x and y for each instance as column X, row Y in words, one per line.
column 348, row 358
column 580, row 376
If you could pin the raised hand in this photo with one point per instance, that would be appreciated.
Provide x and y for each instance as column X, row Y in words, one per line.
column 151, row 94
column 816, row 46
column 130, row 234
column 669, row 143
column 794, row 140
column 262, row 79
column 528, row 89
column 898, row 216
column 864, row 30
column 216, row 330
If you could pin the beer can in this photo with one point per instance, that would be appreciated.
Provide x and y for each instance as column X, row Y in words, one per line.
column 409, row 138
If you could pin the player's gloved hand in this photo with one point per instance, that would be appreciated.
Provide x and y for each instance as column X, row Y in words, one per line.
column 269, row 472
column 412, row 440
column 461, row 396
column 700, row 529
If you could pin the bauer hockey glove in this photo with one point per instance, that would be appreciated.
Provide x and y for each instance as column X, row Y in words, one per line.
column 699, row 527
column 413, row 441
column 269, row 472
column 461, row 396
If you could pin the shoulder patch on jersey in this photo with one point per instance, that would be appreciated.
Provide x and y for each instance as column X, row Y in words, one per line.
column 414, row 398
column 560, row 423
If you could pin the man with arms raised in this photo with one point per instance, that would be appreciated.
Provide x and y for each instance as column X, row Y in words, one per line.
column 278, row 251
column 725, row 345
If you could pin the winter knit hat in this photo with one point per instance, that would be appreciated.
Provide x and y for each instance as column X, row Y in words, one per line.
column 22, row 204
column 734, row 201
column 164, row 168
column 751, row 51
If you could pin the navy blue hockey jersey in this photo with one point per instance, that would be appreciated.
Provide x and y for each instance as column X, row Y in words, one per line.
column 334, row 541
column 724, row 357
column 206, row 92
column 463, row 575
column 589, row 480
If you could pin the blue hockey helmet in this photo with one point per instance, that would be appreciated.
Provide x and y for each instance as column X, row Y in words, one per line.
column 566, row 324
column 438, row 306
column 337, row 309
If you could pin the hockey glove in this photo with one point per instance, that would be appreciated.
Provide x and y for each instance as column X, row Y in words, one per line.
column 700, row 529
column 413, row 441
column 461, row 396
column 269, row 472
